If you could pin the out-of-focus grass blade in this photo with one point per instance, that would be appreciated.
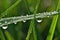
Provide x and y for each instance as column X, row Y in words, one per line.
column 2, row 35
column 53, row 25
column 27, row 6
column 32, row 25
column 8, row 35
column 52, row 29
column 7, row 10
column 30, row 30
column 6, row 4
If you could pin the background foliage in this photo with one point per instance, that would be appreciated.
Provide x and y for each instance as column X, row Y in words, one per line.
column 48, row 29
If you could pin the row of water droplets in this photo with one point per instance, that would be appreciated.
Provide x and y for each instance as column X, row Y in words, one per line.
column 6, row 21
column 6, row 26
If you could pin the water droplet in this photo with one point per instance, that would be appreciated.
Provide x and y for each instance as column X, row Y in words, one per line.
column 31, row 9
column 5, row 21
column 4, row 27
column 0, row 23
column 27, row 15
column 15, row 23
column 39, row 21
column 54, row 12
column 21, row 16
column 44, row 13
column 39, row 13
column 24, row 21
column 48, row 16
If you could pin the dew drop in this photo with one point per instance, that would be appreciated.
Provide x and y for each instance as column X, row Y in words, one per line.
column 22, row 16
column 4, row 27
column 48, row 16
column 24, row 21
column 15, row 23
column 5, row 22
column 0, row 23
column 27, row 15
column 54, row 12
column 44, row 13
column 39, row 13
column 31, row 9
column 39, row 21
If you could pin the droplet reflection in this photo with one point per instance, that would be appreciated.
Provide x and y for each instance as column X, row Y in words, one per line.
column 24, row 21
column 4, row 27
column 39, row 21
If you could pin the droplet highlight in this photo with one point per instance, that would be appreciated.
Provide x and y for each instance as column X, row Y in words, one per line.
column 27, row 15
column 24, row 21
column 5, row 21
column 39, row 21
column 4, row 27
column 0, row 23
column 48, row 16
column 15, row 23
column 31, row 9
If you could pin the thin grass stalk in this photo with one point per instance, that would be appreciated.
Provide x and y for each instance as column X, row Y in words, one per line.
column 27, row 6
column 53, row 25
column 10, row 8
column 8, row 35
column 6, row 4
column 2, row 35
column 32, row 23
column 32, row 28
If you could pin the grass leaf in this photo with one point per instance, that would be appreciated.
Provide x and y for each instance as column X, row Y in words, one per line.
column 53, row 25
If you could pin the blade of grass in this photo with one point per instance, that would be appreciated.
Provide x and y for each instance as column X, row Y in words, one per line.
column 2, row 35
column 8, row 35
column 53, row 25
column 32, row 28
column 27, row 6
column 6, row 4
column 35, row 11
column 52, row 28
column 11, row 7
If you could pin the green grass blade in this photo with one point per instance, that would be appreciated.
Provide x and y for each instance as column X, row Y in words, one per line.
column 5, row 4
column 53, row 25
column 27, row 6
column 11, row 7
column 32, row 24
column 2, row 35
column 29, row 31
column 8, row 35
column 52, row 28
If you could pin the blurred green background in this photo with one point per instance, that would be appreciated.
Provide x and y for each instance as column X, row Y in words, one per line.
column 29, row 30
